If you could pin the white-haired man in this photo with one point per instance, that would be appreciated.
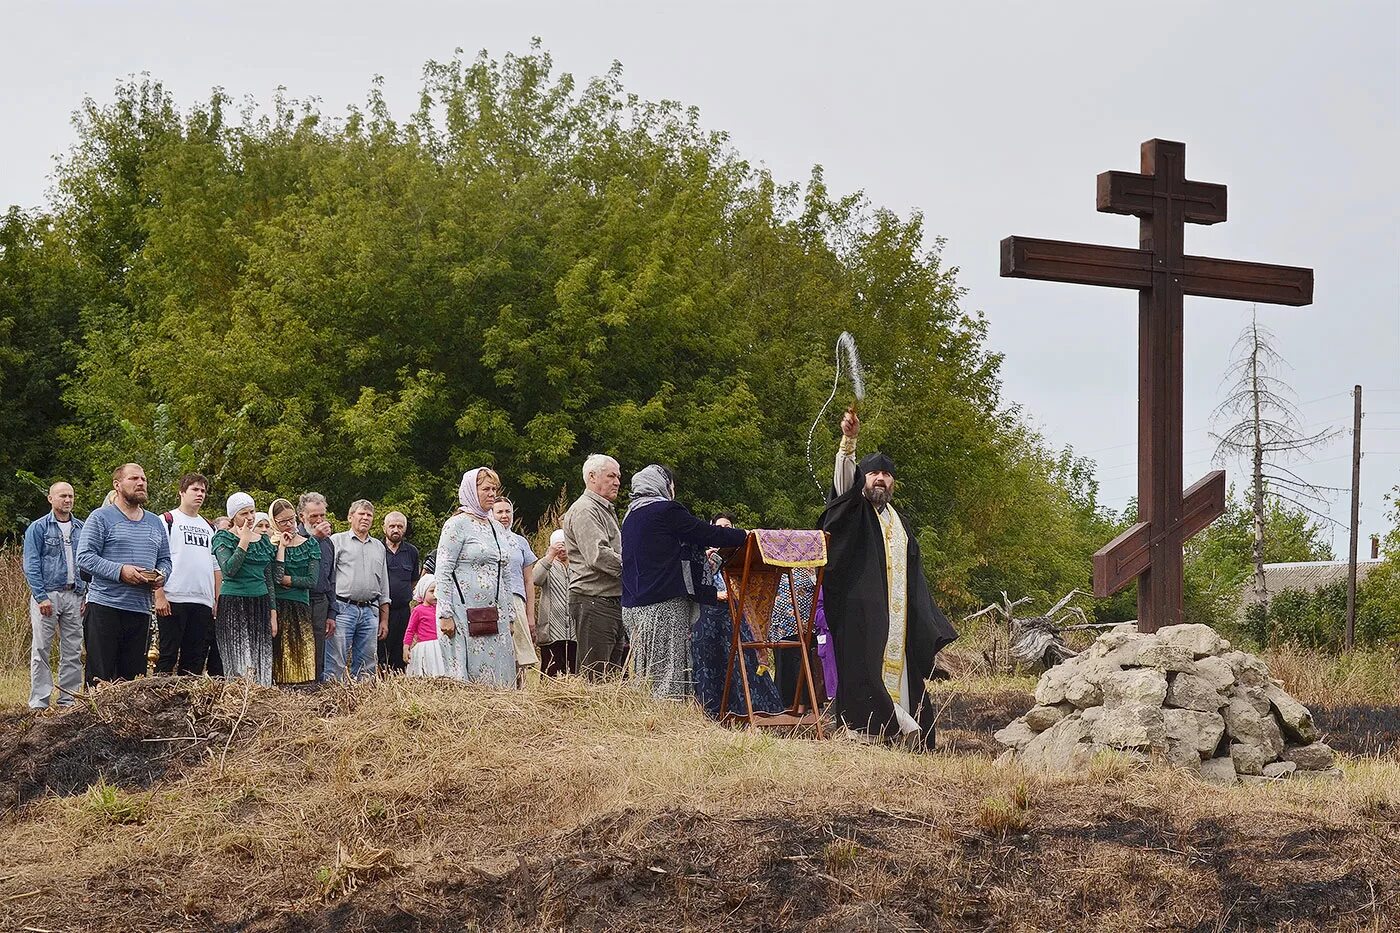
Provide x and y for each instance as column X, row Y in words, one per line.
column 594, row 543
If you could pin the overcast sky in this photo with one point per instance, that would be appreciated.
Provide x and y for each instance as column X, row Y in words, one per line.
column 990, row 118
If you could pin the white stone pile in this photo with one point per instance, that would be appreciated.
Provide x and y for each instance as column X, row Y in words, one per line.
column 1181, row 696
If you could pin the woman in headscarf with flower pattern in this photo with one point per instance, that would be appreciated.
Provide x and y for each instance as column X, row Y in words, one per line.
column 470, row 573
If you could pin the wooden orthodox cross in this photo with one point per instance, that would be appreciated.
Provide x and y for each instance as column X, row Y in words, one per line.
column 1151, row 550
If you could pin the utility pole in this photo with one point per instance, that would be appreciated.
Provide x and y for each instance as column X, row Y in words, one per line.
column 1355, row 517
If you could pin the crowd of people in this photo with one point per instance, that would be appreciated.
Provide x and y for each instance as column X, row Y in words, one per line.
column 279, row 597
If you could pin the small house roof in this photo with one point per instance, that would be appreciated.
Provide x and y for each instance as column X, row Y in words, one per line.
column 1307, row 575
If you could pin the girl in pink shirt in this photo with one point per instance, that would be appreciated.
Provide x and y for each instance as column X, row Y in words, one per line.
column 420, row 647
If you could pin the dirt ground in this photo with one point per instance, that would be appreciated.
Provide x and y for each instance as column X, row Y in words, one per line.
column 189, row 804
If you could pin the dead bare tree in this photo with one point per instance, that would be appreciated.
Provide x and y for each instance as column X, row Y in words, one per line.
column 1265, row 425
column 1033, row 643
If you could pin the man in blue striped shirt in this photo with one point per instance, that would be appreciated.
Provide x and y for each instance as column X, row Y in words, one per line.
column 127, row 552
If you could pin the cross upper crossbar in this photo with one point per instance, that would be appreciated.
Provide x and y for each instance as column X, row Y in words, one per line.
column 1165, row 201
column 1116, row 267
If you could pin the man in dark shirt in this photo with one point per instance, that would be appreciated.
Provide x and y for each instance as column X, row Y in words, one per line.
column 311, row 509
column 402, row 559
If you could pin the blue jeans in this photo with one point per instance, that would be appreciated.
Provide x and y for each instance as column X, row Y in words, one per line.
column 357, row 631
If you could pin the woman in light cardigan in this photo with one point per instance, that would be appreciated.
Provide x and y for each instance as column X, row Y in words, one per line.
column 471, row 573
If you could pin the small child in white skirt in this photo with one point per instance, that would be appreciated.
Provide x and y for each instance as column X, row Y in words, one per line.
column 420, row 647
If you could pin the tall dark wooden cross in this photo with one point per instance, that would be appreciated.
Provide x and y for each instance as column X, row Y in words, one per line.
column 1151, row 550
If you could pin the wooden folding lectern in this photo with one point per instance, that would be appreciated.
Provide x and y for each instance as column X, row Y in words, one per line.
column 751, row 575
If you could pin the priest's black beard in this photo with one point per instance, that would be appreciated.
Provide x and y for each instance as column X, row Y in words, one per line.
column 878, row 497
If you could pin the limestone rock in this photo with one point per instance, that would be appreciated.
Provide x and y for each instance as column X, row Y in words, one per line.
column 1253, row 695
column 1249, row 670
column 1136, row 725
column 1139, row 686
column 1183, row 758
column 1109, row 642
column 1083, row 692
column 1246, row 724
column 1201, row 640
column 1315, row 757
column 1297, row 721
column 1192, row 733
column 1165, row 658
column 1062, row 747
column 1187, row 691
column 1127, row 628
column 1331, row 774
column 1219, row 770
column 1051, row 687
column 1040, row 718
column 1075, row 681
column 1126, row 648
column 1182, row 694
column 1131, row 755
column 1216, row 671
column 1249, row 759
column 1017, row 734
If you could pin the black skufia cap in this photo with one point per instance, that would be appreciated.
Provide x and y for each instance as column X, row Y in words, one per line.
column 876, row 463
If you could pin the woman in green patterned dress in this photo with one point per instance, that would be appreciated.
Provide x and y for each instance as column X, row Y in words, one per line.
column 294, row 648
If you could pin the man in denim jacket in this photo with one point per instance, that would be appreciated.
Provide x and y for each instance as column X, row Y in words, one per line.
column 51, row 570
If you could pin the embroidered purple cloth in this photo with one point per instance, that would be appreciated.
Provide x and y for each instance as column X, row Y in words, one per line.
column 793, row 547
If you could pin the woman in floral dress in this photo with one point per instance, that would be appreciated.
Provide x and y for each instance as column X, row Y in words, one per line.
column 471, row 573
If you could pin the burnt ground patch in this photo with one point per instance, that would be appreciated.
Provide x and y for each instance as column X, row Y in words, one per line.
column 877, row 871
column 966, row 721
column 1360, row 729
column 129, row 735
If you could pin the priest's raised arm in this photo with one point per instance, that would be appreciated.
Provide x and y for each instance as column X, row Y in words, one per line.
column 845, row 472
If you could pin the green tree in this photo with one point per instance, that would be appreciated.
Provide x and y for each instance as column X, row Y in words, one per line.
column 39, row 329
column 526, row 270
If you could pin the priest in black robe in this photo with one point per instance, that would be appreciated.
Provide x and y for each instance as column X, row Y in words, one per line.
column 886, row 629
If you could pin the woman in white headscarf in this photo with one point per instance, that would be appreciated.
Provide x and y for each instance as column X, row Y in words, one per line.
column 247, row 619
column 664, row 581
column 554, row 628
column 471, row 573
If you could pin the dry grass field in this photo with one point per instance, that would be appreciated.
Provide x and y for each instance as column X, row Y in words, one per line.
column 197, row 804
column 193, row 804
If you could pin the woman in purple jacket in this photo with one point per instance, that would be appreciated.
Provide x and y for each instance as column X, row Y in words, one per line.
column 664, row 581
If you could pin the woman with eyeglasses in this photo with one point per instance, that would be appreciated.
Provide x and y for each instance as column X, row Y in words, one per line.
column 294, row 646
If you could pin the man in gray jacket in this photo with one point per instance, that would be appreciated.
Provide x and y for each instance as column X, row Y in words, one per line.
column 594, row 543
